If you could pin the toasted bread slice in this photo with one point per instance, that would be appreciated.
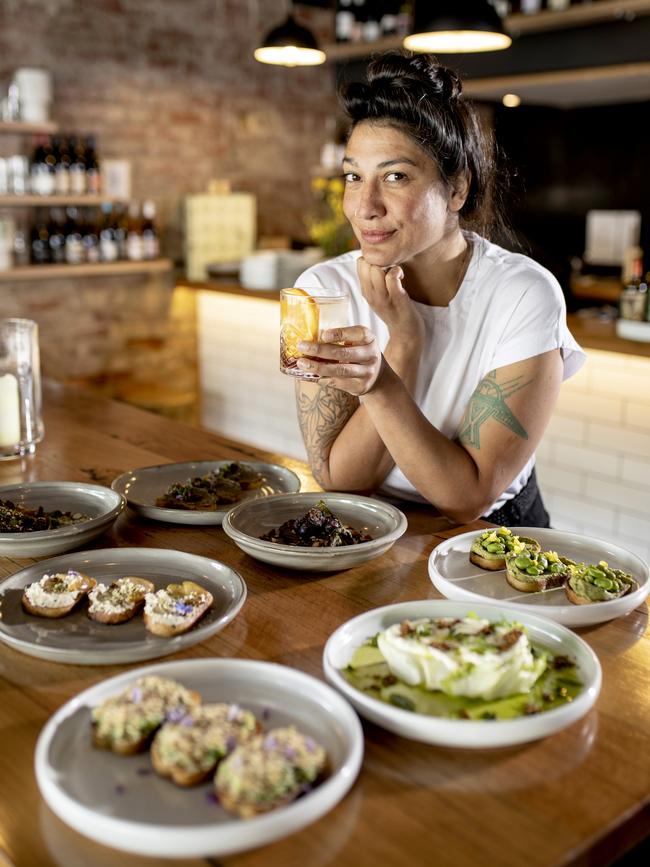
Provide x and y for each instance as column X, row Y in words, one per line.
column 531, row 571
column 176, row 609
column 125, row 723
column 269, row 771
column 490, row 548
column 588, row 584
column 188, row 751
column 56, row 595
column 120, row 601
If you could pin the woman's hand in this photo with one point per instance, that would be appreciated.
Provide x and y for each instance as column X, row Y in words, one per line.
column 383, row 290
column 347, row 358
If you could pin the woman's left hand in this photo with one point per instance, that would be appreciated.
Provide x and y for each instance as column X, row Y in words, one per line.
column 347, row 358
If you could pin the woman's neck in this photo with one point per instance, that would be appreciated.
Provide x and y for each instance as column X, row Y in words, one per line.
column 435, row 276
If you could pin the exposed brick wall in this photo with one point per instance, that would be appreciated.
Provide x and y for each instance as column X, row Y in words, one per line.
column 172, row 86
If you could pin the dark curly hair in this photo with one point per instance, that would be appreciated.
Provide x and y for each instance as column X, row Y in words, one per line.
column 423, row 99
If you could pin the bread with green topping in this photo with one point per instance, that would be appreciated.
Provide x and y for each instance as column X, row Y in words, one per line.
column 490, row 547
column 531, row 571
column 188, row 750
column 269, row 771
column 597, row 583
column 124, row 723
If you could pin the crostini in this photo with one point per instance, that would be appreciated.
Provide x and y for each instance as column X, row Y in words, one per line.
column 530, row 571
column 269, row 771
column 124, row 723
column 120, row 601
column 56, row 595
column 599, row 583
column 175, row 609
column 188, row 751
column 489, row 549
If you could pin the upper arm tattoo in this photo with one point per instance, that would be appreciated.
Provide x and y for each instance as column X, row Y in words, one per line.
column 489, row 401
column 322, row 416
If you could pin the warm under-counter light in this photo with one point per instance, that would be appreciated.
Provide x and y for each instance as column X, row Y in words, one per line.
column 511, row 100
column 290, row 44
column 456, row 26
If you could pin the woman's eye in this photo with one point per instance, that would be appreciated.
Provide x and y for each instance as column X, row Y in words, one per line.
column 350, row 177
column 395, row 176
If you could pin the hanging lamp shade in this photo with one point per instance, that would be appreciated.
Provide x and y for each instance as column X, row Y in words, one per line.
column 290, row 44
column 456, row 26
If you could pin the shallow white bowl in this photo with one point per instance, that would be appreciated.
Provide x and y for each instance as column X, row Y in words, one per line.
column 472, row 734
column 457, row 578
column 248, row 521
column 102, row 505
column 143, row 486
column 116, row 801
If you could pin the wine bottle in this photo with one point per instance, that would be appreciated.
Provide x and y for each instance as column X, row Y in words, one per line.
column 57, row 236
column 134, row 246
column 78, row 167
column 108, row 246
column 150, row 242
column 344, row 21
column 93, row 176
column 74, row 250
column 40, row 241
column 62, row 167
column 90, row 238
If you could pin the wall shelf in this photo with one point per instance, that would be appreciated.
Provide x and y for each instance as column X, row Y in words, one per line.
column 22, row 127
column 100, row 269
column 518, row 25
column 29, row 201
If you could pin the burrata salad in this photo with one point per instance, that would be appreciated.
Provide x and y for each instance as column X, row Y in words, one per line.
column 462, row 667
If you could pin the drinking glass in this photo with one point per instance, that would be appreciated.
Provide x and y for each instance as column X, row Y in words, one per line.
column 21, row 422
column 304, row 317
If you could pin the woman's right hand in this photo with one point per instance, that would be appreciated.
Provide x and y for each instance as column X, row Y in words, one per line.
column 382, row 288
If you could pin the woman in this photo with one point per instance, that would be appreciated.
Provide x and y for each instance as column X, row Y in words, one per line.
column 443, row 389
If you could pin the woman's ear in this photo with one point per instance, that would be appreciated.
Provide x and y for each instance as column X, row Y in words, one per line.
column 459, row 191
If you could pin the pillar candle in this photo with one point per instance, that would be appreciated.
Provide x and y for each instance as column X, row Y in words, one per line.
column 9, row 410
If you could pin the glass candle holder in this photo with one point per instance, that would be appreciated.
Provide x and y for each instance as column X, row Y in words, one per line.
column 21, row 421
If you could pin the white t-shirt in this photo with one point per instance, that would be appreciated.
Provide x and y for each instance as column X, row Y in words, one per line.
column 508, row 308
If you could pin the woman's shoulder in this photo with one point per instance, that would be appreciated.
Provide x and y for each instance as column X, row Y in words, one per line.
column 507, row 272
column 342, row 269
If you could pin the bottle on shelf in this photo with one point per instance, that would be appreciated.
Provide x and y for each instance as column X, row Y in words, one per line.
column 389, row 16
column 42, row 171
column 21, row 253
column 93, row 175
column 150, row 241
column 74, row 250
column 108, row 245
column 633, row 302
column 56, row 230
column 359, row 13
column 90, row 238
column 371, row 29
column 77, row 167
column 40, row 241
column 134, row 245
column 62, row 166
column 344, row 21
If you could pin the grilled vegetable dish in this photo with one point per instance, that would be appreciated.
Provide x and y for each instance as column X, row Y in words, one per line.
column 18, row 518
column 213, row 491
column 319, row 528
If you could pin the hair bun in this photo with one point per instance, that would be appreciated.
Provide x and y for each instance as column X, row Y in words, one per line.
column 398, row 69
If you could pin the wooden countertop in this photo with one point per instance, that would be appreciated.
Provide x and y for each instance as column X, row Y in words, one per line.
column 579, row 797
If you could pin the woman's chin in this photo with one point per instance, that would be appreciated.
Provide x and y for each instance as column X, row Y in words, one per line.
column 375, row 256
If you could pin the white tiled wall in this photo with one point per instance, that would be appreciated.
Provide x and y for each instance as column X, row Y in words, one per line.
column 244, row 395
column 593, row 463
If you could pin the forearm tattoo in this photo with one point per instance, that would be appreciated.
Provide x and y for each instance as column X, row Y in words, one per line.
column 489, row 401
column 322, row 417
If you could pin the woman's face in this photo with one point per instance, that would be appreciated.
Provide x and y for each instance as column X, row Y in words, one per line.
column 394, row 197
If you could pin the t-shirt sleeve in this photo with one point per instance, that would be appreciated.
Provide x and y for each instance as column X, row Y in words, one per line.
column 536, row 324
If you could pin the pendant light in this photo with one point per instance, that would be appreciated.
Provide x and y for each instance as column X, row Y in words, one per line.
column 290, row 44
column 456, row 26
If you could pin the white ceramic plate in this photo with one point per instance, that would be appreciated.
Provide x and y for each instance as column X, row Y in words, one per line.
column 102, row 505
column 117, row 801
column 471, row 734
column 456, row 578
column 77, row 639
column 248, row 521
column 143, row 486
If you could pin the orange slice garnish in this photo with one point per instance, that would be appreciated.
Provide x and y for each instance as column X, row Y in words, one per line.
column 299, row 319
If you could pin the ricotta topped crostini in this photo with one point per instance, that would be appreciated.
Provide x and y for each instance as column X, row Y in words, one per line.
column 176, row 608
column 120, row 601
column 470, row 657
column 57, row 594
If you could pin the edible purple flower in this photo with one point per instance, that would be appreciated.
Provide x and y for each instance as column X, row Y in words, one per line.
column 136, row 694
column 176, row 714
column 270, row 742
column 183, row 608
column 233, row 712
column 212, row 797
column 187, row 720
column 290, row 753
column 310, row 745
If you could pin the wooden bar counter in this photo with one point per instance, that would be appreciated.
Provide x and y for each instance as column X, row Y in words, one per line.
column 579, row 797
